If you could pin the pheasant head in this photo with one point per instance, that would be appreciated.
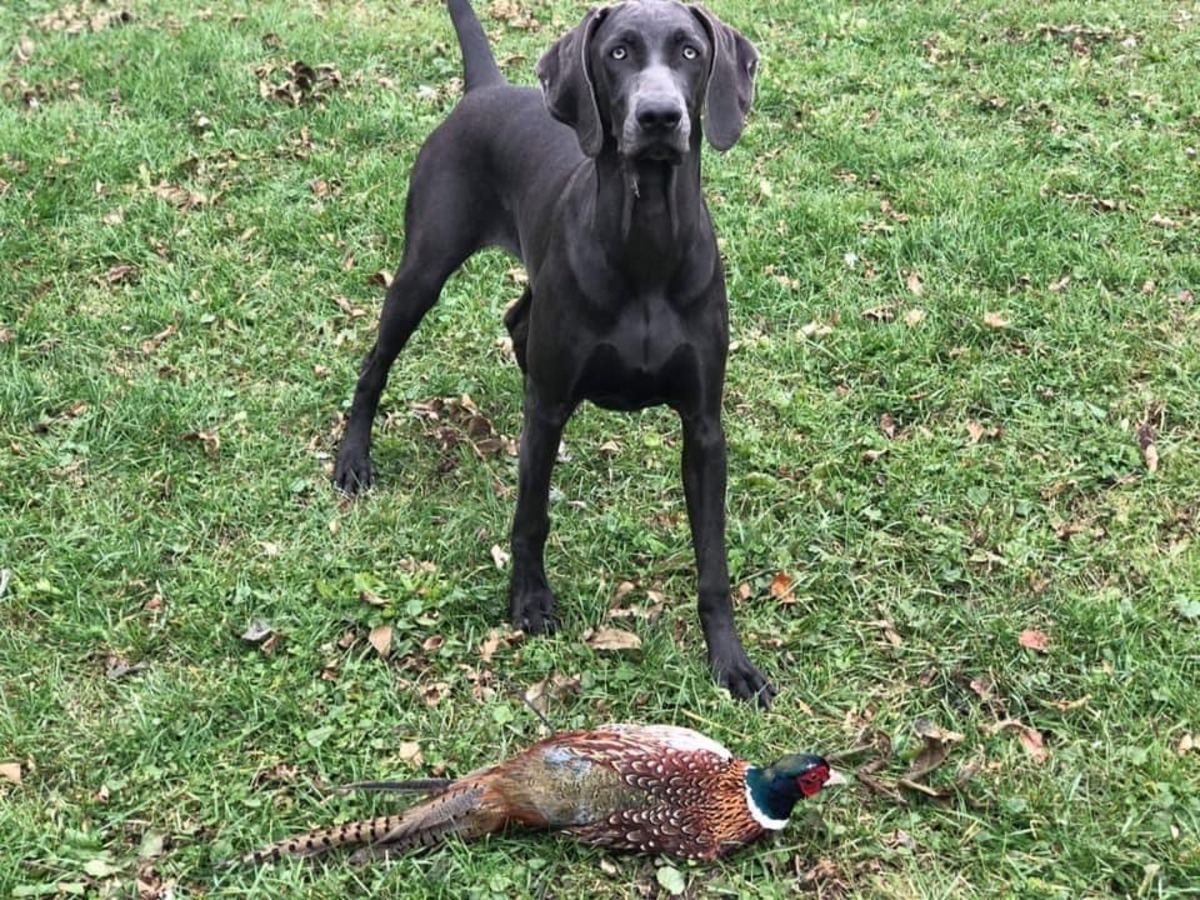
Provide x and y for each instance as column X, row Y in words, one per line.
column 771, row 793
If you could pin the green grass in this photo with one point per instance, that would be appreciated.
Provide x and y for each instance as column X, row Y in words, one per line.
column 993, row 149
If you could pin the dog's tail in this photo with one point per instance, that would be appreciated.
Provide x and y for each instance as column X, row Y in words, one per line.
column 479, row 66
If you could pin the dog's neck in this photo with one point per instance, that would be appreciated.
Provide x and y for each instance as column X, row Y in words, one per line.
column 655, row 208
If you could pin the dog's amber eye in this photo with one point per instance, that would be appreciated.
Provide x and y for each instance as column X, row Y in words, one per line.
column 690, row 52
column 618, row 52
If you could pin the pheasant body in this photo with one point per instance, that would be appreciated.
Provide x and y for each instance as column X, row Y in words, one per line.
column 637, row 788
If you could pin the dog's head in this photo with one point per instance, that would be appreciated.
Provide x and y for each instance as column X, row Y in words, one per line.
column 642, row 74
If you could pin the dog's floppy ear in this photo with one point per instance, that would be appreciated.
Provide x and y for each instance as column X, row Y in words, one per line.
column 731, row 74
column 567, row 83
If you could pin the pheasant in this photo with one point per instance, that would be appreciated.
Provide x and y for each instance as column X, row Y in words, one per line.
column 636, row 788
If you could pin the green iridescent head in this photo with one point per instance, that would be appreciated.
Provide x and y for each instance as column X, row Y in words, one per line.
column 781, row 785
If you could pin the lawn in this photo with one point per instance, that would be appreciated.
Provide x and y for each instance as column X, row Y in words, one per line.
column 963, row 251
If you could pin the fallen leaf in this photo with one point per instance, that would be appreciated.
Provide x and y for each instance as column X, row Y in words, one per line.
column 496, row 637
column 410, row 752
column 1033, row 640
column 540, row 694
column 995, row 320
column 604, row 638
column 885, row 313
column 814, row 329
column 914, row 284
column 180, row 197
column 152, row 344
column 100, row 868
column 435, row 693
column 122, row 272
column 671, row 880
column 1145, row 438
column 1031, row 738
column 381, row 639
column 210, row 440
column 986, row 690
column 257, row 632
column 936, row 748
column 914, row 316
column 781, row 588
column 433, row 643
column 979, row 432
column 344, row 304
column 887, row 425
column 1163, row 222
column 1186, row 744
column 889, row 632
column 11, row 772
column 1061, row 284
column 500, row 556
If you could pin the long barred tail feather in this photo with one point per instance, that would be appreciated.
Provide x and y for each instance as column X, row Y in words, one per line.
column 410, row 786
column 424, row 825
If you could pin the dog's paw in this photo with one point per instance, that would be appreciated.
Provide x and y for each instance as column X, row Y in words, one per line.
column 534, row 611
column 352, row 472
column 742, row 678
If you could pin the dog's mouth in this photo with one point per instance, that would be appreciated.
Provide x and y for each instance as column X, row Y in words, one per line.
column 655, row 152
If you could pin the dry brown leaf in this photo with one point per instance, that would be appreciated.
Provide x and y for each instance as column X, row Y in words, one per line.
column 178, row 196
column 914, row 284
column 1034, row 640
column 497, row 637
column 889, row 632
column 1031, row 738
column 435, row 693
column 979, row 432
column 1061, row 284
column 210, row 440
column 782, row 588
column 381, row 639
column 888, row 426
column 1145, row 438
column 1186, row 744
column 936, row 748
column 604, row 638
column 884, row 313
column 1161, row 221
column 10, row 772
column 557, row 685
column 410, row 752
column 995, row 320
column 986, row 690
column 914, row 316
column 152, row 344
column 122, row 272
column 344, row 304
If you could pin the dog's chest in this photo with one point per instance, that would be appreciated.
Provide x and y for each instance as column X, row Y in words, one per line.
column 641, row 357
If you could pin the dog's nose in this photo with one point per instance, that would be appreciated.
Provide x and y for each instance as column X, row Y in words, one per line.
column 658, row 116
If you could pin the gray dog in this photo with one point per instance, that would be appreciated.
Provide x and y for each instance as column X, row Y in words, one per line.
column 595, row 185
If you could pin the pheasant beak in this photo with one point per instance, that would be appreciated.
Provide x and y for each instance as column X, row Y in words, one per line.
column 835, row 779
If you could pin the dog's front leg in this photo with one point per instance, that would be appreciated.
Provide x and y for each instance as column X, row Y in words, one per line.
column 531, row 603
column 704, row 487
